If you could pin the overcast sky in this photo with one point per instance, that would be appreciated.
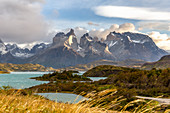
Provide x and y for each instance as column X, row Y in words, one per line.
column 25, row 21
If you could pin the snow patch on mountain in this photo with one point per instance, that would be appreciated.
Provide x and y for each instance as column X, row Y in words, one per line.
column 30, row 45
column 79, row 48
column 3, row 51
column 112, row 44
column 22, row 55
column 129, row 39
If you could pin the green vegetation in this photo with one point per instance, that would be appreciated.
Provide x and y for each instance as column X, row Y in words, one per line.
column 8, row 67
column 65, row 75
column 134, row 81
column 128, row 82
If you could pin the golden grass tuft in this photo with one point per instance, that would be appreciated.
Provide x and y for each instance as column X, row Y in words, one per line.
column 15, row 103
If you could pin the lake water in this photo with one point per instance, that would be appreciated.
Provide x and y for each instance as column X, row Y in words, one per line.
column 63, row 97
column 97, row 78
column 20, row 80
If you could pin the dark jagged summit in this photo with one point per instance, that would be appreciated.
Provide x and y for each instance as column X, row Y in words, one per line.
column 71, row 33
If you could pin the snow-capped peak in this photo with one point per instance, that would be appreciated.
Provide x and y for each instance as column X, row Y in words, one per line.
column 112, row 44
column 29, row 45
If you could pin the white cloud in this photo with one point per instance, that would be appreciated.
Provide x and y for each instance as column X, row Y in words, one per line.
column 138, row 13
column 102, row 33
column 161, row 40
column 21, row 21
column 80, row 31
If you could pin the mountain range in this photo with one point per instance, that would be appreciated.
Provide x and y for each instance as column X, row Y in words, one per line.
column 66, row 50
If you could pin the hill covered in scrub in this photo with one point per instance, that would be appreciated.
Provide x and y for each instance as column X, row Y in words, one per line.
column 163, row 63
column 8, row 67
column 106, row 70
column 128, row 81
column 64, row 76
column 142, row 82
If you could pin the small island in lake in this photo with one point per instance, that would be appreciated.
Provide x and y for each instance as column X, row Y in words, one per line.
column 65, row 76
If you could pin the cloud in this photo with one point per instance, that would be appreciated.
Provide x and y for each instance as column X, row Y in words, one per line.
column 137, row 13
column 40, row 1
column 93, row 24
column 21, row 21
column 79, row 31
column 154, row 25
column 161, row 40
column 102, row 33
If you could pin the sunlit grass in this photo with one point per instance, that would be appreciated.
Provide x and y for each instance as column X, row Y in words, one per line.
column 15, row 102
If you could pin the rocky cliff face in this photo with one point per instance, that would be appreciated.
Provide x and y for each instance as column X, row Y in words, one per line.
column 66, row 51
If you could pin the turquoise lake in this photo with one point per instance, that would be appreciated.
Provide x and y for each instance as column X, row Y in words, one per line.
column 20, row 80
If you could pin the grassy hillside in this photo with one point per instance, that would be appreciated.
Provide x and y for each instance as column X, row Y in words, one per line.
column 16, row 102
column 163, row 63
column 8, row 67
column 126, row 63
